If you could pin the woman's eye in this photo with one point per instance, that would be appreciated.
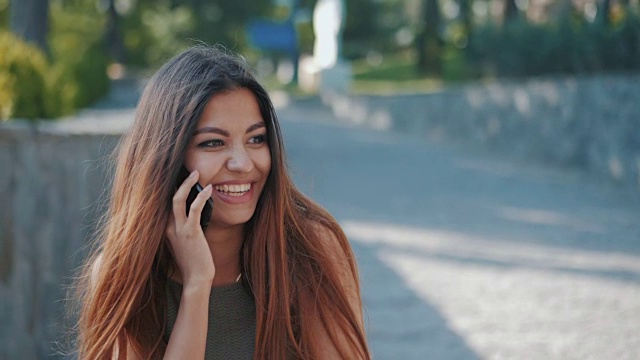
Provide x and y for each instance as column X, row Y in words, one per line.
column 211, row 143
column 258, row 139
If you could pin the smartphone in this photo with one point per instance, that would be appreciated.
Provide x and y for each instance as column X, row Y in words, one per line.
column 195, row 190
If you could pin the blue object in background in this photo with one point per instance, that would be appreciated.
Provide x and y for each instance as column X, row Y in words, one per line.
column 271, row 36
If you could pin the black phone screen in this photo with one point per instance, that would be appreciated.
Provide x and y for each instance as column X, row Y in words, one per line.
column 195, row 190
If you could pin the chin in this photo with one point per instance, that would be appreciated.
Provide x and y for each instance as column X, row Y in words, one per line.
column 233, row 219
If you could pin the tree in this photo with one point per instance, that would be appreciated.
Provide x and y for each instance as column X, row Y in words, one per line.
column 466, row 17
column 113, row 33
column 604, row 9
column 428, row 42
column 29, row 19
column 466, row 14
column 510, row 11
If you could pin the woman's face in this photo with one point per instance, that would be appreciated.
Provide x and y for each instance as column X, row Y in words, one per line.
column 230, row 150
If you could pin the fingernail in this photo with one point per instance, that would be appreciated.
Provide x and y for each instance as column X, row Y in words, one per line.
column 193, row 173
column 207, row 188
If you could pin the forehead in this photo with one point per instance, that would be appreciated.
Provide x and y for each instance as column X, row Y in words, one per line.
column 235, row 109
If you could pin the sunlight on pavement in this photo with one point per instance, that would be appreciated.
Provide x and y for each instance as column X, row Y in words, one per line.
column 545, row 217
column 511, row 300
column 505, row 252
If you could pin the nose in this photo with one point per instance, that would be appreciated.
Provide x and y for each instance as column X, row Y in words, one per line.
column 239, row 161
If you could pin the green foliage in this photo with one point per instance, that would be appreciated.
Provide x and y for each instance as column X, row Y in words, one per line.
column 371, row 26
column 306, row 37
column 157, row 29
column 33, row 87
column 4, row 14
column 80, row 59
column 520, row 48
column 23, row 69
column 81, row 79
column 454, row 65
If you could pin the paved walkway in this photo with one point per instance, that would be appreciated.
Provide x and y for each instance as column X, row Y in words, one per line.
column 464, row 255
column 469, row 256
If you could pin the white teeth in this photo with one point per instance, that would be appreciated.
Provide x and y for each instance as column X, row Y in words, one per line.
column 234, row 190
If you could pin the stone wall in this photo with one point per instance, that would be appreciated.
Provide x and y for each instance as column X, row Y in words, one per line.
column 591, row 123
column 51, row 177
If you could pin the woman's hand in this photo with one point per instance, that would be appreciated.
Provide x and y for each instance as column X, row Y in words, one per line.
column 188, row 244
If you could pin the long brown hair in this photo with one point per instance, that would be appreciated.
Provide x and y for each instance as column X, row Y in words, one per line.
column 282, row 258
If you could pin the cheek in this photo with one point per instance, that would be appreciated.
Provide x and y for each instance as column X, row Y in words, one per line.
column 263, row 162
column 208, row 166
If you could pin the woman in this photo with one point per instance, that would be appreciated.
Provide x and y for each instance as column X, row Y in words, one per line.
column 272, row 276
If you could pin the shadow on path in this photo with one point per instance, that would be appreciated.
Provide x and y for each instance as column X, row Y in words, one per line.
column 400, row 325
column 390, row 178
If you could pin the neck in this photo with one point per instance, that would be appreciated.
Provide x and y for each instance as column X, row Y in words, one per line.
column 225, row 244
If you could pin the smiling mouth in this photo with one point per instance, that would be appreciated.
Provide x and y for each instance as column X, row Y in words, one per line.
column 233, row 190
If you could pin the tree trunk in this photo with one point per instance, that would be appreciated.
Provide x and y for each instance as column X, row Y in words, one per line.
column 29, row 19
column 603, row 11
column 510, row 11
column 466, row 14
column 428, row 40
column 114, row 35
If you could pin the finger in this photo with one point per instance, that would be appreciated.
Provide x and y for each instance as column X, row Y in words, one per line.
column 180, row 197
column 195, row 212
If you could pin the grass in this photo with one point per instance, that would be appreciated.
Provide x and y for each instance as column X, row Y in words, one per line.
column 396, row 73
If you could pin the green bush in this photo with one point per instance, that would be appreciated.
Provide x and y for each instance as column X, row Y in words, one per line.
column 23, row 70
column 79, row 57
column 520, row 48
column 4, row 14
column 73, row 76
column 33, row 88
column 81, row 76
column 7, row 95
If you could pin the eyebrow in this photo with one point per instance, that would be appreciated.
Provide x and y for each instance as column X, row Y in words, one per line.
column 216, row 130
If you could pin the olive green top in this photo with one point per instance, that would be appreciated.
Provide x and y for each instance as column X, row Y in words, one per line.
column 231, row 331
